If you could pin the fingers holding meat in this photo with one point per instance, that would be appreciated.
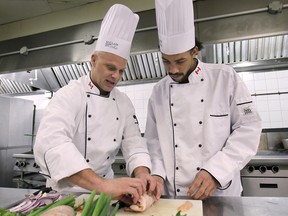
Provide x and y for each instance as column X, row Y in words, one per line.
column 143, row 203
column 123, row 186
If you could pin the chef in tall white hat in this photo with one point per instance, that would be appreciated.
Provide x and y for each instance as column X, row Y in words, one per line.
column 88, row 121
column 202, row 125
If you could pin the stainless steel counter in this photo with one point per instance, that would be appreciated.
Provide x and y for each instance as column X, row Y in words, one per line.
column 12, row 196
column 245, row 206
column 214, row 206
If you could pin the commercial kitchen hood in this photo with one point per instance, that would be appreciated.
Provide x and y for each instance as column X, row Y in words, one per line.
column 264, row 54
column 247, row 40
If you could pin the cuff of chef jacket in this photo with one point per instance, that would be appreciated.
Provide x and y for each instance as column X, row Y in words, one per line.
column 225, row 186
column 138, row 160
column 56, row 160
column 220, row 187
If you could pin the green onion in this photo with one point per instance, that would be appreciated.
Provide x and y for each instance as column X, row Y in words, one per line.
column 106, row 206
column 99, row 205
column 113, row 213
column 88, row 204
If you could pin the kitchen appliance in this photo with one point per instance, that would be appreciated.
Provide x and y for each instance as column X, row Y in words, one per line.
column 119, row 166
column 27, row 172
column 285, row 143
column 266, row 174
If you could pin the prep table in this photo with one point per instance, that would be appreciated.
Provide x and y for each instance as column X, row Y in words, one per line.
column 214, row 206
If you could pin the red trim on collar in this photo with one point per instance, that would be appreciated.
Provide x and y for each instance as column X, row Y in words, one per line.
column 90, row 85
column 197, row 70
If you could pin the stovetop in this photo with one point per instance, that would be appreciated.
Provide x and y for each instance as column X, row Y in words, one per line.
column 279, row 157
column 24, row 155
column 280, row 152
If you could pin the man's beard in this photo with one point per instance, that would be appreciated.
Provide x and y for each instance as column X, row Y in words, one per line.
column 184, row 77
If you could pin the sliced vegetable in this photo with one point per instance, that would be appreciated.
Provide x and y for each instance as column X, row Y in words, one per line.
column 69, row 200
column 36, row 201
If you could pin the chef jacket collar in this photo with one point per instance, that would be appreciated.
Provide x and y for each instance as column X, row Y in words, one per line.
column 196, row 76
column 93, row 89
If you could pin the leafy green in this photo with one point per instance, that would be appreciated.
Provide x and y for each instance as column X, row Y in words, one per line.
column 179, row 214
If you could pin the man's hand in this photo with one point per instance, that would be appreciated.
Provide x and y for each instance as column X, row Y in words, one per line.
column 153, row 186
column 126, row 189
column 203, row 186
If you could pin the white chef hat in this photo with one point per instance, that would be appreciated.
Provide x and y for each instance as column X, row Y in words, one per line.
column 117, row 30
column 175, row 22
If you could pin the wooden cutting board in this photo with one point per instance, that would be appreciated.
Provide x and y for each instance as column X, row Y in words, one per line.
column 167, row 207
column 163, row 207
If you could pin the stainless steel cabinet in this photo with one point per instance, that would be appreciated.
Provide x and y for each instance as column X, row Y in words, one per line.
column 16, row 119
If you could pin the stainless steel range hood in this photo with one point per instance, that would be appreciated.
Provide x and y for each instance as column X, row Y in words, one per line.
column 264, row 54
column 49, row 60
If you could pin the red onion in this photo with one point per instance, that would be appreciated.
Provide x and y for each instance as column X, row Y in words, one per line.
column 35, row 201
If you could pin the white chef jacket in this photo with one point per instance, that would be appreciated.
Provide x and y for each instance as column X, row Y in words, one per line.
column 81, row 129
column 209, row 123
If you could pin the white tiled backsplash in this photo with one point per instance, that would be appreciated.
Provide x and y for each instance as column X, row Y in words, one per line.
column 273, row 109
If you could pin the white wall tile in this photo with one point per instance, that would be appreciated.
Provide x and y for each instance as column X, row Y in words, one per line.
column 262, row 105
column 266, row 125
column 250, row 85
column 276, row 124
column 247, row 76
column 271, row 75
column 272, row 85
column 275, row 116
column 284, row 104
column 284, row 97
column 259, row 76
column 260, row 86
column 264, row 116
column 274, row 105
column 282, row 74
column 285, row 116
column 283, row 84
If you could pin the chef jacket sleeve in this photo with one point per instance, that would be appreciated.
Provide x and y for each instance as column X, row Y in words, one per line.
column 151, row 133
column 242, row 144
column 133, row 146
column 54, row 150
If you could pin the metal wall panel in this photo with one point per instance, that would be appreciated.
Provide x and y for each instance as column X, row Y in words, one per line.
column 16, row 118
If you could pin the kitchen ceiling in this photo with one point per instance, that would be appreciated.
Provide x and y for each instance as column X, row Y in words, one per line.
column 16, row 10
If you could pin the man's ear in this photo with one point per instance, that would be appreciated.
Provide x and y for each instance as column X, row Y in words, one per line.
column 93, row 59
column 195, row 51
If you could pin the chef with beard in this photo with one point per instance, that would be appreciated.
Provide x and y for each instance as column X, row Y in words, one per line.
column 202, row 124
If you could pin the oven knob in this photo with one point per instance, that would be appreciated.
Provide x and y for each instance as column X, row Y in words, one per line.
column 262, row 169
column 35, row 165
column 250, row 169
column 23, row 163
column 17, row 164
column 275, row 169
column 122, row 166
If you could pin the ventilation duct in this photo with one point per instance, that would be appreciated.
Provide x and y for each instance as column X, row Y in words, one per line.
column 259, row 54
